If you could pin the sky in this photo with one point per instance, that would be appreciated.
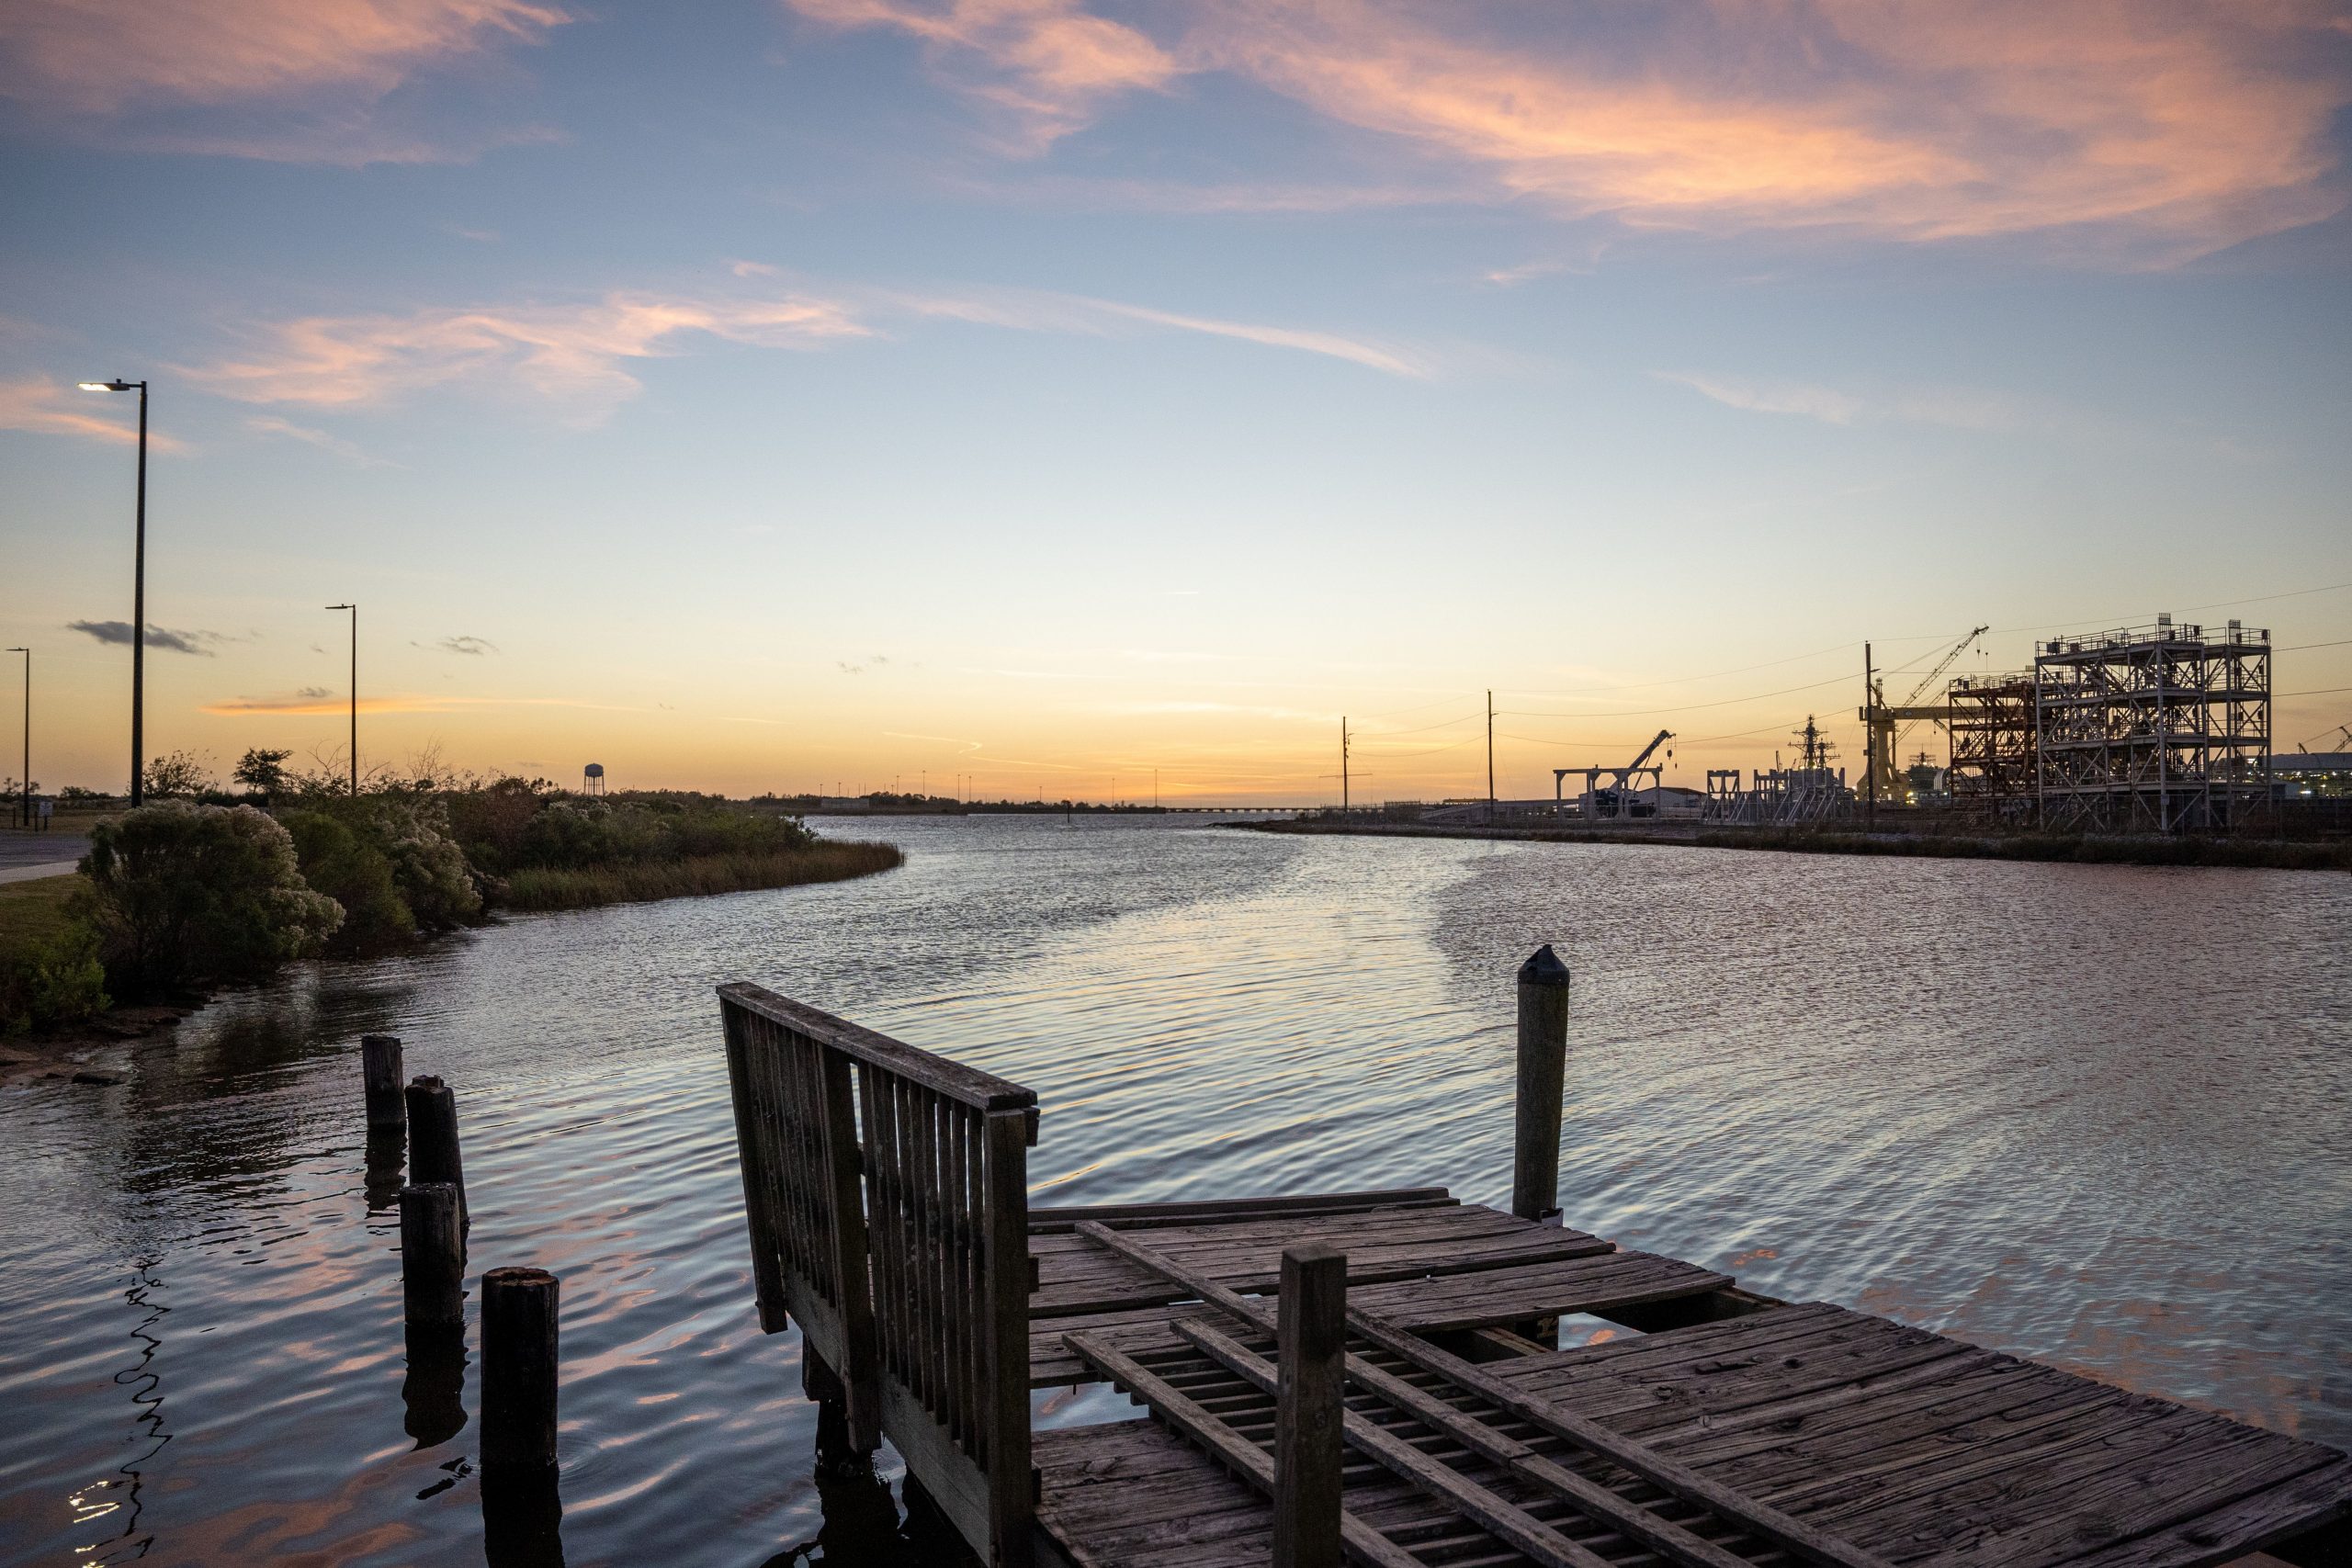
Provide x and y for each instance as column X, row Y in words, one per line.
column 1065, row 398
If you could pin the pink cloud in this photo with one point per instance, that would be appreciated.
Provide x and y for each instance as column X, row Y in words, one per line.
column 1046, row 64
column 2144, row 129
column 99, row 57
column 290, row 81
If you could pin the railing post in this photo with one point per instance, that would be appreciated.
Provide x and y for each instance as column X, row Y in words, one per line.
column 1310, row 1405
column 1543, row 1081
column 860, row 1376
column 1005, row 1278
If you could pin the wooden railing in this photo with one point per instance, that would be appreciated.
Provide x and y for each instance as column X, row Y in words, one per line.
column 886, row 1191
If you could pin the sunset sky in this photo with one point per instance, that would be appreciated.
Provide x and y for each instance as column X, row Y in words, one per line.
column 788, row 394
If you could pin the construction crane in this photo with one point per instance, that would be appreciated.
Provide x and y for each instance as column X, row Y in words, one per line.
column 1889, row 724
column 1609, row 801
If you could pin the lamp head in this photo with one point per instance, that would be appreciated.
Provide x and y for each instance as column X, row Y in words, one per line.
column 343, row 607
column 115, row 386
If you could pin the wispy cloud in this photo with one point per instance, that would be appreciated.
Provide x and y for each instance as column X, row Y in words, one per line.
column 118, row 633
column 2146, row 129
column 317, row 700
column 1044, row 312
column 350, row 452
column 290, row 80
column 574, row 354
column 581, row 357
column 1952, row 407
column 473, row 646
column 50, row 407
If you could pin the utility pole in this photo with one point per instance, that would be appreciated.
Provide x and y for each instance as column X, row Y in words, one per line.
column 1491, row 755
column 1870, row 739
column 355, row 692
column 1343, row 764
column 28, row 780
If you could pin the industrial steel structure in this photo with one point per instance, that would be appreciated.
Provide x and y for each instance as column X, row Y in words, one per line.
column 2147, row 730
column 1813, row 792
column 1990, row 777
column 2153, row 730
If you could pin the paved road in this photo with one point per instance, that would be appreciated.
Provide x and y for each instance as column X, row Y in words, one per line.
column 27, row 855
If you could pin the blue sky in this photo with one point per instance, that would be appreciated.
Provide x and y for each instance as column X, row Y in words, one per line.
column 781, row 395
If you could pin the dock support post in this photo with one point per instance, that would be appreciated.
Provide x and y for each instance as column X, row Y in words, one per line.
column 1543, row 1081
column 1309, row 1405
column 433, row 1139
column 518, row 1368
column 379, row 1067
column 432, row 1256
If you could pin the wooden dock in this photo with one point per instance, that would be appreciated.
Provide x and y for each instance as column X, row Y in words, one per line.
column 887, row 1196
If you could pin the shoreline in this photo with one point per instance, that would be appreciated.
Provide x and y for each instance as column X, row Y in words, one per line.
column 70, row 1054
column 2260, row 854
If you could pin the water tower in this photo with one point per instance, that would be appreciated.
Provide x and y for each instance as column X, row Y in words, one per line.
column 592, row 779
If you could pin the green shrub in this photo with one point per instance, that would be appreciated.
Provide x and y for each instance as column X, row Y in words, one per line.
column 390, row 860
column 52, row 980
column 182, row 893
column 337, row 862
column 430, row 870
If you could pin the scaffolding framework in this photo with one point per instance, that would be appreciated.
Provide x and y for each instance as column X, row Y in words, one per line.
column 1992, row 774
column 2152, row 729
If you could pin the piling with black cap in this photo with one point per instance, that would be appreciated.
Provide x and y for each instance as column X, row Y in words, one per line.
column 379, row 1067
column 518, row 1368
column 1542, row 1084
column 432, row 1256
column 433, row 1139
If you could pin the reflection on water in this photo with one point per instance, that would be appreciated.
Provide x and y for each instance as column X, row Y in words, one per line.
column 2091, row 1114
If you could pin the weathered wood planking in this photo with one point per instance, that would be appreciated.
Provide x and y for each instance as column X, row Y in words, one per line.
column 1924, row 1449
column 1597, row 1284
column 1245, row 1254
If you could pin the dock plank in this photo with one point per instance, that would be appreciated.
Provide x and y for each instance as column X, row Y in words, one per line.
column 1382, row 1244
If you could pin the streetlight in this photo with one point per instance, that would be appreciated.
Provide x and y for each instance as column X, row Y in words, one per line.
column 354, row 692
column 138, row 594
column 29, row 732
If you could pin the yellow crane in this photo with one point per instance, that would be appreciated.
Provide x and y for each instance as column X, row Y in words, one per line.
column 1888, row 722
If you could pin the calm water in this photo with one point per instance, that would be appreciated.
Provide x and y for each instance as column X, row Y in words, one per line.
column 2093, row 1115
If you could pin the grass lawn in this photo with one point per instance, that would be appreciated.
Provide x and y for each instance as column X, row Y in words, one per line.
column 32, row 910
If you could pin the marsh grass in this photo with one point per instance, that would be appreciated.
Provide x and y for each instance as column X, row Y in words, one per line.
column 588, row 888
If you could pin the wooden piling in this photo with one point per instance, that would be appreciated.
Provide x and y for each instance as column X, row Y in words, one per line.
column 432, row 1388
column 1543, row 1083
column 379, row 1067
column 433, row 1139
column 432, row 1256
column 1309, row 1405
column 518, row 1368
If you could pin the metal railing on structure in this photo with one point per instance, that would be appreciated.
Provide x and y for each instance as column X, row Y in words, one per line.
column 886, row 1191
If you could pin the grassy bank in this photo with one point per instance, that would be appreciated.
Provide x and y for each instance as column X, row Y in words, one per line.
column 2270, row 853
column 2273, row 855
column 588, row 888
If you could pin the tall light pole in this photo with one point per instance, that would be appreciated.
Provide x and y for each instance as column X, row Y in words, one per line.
column 354, row 692
column 29, row 732
column 138, row 597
